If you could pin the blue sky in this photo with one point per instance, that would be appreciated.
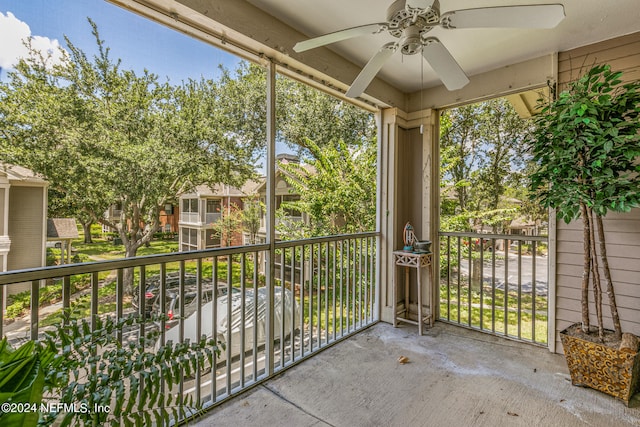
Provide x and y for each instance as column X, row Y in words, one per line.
column 139, row 42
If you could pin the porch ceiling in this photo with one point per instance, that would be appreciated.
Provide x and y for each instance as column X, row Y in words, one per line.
column 476, row 50
column 272, row 27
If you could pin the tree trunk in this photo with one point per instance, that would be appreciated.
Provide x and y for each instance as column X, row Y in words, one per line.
column 595, row 271
column 607, row 275
column 586, row 268
column 127, row 274
column 86, row 226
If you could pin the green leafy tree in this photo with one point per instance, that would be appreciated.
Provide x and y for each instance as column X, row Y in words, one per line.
column 482, row 150
column 306, row 114
column 586, row 145
column 459, row 150
column 336, row 188
column 103, row 135
column 302, row 112
column 251, row 217
column 501, row 136
column 229, row 224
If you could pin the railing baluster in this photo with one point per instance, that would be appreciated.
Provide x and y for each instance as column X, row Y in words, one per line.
column 198, row 322
column 214, row 328
column 311, row 280
column 354, row 274
column 448, row 277
column 458, row 296
column 303, row 284
column 163, row 315
column 35, row 308
column 292, row 338
column 519, row 288
column 326, row 294
column 469, row 280
column 371, row 281
column 341, row 284
column 282, row 309
column 181, row 329
column 319, row 294
column 119, row 300
column 359, row 280
column 229, row 317
column 66, row 299
column 493, row 285
column 506, row 286
column 481, row 283
column 333, row 287
column 94, row 301
column 533, row 290
column 141, row 304
column 256, row 266
column 365, row 280
column 141, row 327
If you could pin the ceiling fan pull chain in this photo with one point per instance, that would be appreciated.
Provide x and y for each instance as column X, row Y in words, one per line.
column 421, row 94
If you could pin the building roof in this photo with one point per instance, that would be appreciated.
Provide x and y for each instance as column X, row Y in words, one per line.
column 223, row 190
column 18, row 174
column 62, row 228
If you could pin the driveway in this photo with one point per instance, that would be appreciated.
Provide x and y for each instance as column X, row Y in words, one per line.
column 526, row 272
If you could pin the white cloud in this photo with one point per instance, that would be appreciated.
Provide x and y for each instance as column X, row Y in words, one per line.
column 13, row 32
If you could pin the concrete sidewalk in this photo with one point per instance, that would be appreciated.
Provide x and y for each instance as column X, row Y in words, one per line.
column 455, row 377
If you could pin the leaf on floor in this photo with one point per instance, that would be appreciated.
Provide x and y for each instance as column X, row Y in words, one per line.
column 403, row 359
column 513, row 414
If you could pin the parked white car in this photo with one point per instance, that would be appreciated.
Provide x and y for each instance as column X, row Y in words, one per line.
column 234, row 322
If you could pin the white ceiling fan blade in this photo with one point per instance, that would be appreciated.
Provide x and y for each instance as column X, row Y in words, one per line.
column 531, row 16
column 338, row 36
column 443, row 63
column 371, row 69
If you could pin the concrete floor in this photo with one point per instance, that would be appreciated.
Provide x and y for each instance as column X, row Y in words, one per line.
column 455, row 377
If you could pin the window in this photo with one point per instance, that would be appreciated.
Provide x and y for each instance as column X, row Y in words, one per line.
column 211, row 240
column 189, row 239
column 214, row 206
column 190, row 205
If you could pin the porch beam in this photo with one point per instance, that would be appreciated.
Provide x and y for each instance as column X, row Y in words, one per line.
column 532, row 74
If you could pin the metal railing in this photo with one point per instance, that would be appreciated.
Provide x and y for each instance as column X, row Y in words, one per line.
column 190, row 217
column 495, row 283
column 324, row 290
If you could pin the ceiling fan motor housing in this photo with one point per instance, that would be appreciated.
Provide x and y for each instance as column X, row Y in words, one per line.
column 411, row 25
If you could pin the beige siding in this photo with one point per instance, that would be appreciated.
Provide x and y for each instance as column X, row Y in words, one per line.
column 622, row 230
column 26, row 229
column 623, row 54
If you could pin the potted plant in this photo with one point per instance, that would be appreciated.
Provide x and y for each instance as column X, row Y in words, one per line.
column 21, row 384
column 587, row 144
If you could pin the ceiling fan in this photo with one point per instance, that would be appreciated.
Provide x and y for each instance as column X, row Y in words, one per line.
column 410, row 21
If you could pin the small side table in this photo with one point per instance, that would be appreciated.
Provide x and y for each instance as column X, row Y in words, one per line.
column 410, row 260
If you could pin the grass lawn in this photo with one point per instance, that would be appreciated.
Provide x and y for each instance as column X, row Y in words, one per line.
column 487, row 312
column 102, row 249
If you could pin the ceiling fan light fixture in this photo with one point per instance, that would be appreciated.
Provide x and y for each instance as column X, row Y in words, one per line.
column 411, row 42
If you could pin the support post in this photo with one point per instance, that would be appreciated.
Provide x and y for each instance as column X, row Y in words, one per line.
column 271, row 220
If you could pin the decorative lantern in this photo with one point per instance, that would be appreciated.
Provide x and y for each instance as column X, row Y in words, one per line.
column 408, row 237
